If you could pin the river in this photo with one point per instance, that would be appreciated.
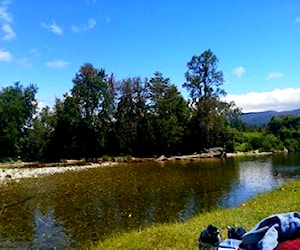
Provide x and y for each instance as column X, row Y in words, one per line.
column 71, row 209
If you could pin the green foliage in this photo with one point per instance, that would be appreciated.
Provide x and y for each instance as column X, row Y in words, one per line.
column 210, row 117
column 270, row 142
column 134, row 116
column 209, row 125
column 106, row 158
column 38, row 137
column 7, row 160
column 203, row 80
column 243, row 147
column 292, row 144
column 287, row 129
column 133, row 128
column 17, row 107
column 170, row 114
column 247, row 141
column 240, row 137
column 66, row 134
column 94, row 94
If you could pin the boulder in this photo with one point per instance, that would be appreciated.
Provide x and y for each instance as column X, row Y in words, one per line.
column 162, row 158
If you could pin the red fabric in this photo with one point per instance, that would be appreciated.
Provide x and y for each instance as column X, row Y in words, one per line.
column 289, row 245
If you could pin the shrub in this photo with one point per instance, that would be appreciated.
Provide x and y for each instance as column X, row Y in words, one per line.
column 106, row 158
column 270, row 142
column 243, row 147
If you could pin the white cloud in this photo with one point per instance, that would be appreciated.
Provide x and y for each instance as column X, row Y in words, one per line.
column 238, row 71
column 91, row 23
column 59, row 64
column 278, row 100
column 5, row 56
column 4, row 14
column 53, row 27
column 6, row 31
column 91, row 1
column 24, row 62
column 297, row 19
column 273, row 75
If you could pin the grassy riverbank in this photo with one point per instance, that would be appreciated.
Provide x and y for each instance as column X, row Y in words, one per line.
column 185, row 235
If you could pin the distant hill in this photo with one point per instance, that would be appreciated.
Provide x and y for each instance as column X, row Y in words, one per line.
column 260, row 118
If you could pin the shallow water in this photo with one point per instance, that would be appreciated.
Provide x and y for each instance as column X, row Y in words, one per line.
column 71, row 209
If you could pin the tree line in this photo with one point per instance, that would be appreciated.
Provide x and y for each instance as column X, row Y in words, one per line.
column 104, row 116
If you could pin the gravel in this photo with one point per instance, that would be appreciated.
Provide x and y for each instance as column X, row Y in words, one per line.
column 8, row 174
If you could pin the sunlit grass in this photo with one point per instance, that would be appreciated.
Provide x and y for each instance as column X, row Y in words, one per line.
column 185, row 235
column 250, row 135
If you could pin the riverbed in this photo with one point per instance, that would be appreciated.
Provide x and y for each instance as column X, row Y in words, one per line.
column 70, row 209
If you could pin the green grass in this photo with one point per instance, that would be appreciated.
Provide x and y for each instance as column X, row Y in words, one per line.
column 185, row 235
column 250, row 135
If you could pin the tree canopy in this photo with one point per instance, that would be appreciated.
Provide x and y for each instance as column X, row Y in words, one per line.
column 132, row 116
column 17, row 108
column 203, row 79
column 209, row 116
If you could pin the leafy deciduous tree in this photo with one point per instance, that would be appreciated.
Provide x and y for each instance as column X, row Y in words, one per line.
column 17, row 107
column 209, row 114
column 133, row 125
column 93, row 92
column 170, row 114
column 203, row 79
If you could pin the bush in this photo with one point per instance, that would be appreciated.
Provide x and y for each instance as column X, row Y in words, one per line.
column 292, row 144
column 256, row 142
column 106, row 158
column 270, row 142
column 7, row 160
column 243, row 147
column 261, row 142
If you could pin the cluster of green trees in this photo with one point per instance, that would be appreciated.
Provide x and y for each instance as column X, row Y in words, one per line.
column 280, row 134
column 133, row 116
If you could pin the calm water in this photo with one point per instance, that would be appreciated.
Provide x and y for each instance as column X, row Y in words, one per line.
column 71, row 209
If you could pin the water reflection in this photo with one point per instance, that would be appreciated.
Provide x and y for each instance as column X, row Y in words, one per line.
column 256, row 176
column 286, row 166
column 189, row 209
column 49, row 231
column 71, row 209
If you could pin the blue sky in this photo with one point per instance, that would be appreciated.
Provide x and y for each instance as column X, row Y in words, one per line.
column 256, row 42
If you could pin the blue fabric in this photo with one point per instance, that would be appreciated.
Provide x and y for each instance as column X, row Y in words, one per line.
column 229, row 244
column 275, row 228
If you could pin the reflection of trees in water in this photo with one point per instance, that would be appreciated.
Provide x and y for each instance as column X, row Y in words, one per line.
column 16, row 214
column 286, row 166
column 260, row 174
column 189, row 209
column 286, row 160
column 92, row 204
column 49, row 232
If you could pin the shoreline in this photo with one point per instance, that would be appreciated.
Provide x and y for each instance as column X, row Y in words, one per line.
column 185, row 235
column 201, row 156
column 20, row 170
column 13, row 173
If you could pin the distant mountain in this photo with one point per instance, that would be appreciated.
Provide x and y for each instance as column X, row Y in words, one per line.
column 260, row 118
